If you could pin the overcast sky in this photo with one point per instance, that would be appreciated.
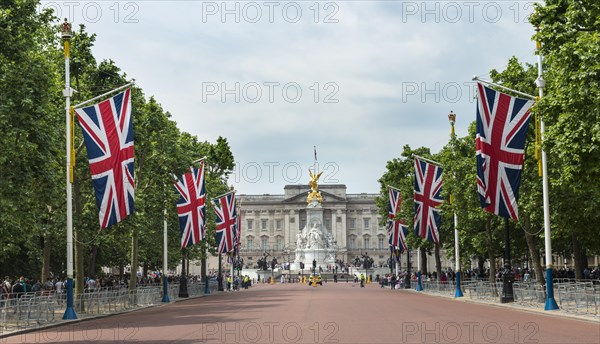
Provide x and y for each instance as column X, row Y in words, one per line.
column 358, row 79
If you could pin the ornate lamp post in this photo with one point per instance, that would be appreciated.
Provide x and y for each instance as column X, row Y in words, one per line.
column 458, row 291
column 66, row 35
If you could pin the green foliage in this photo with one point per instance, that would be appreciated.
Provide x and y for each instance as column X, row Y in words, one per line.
column 32, row 124
column 569, row 33
column 29, row 107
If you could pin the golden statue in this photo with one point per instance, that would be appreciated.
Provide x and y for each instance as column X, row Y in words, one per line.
column 313, row 194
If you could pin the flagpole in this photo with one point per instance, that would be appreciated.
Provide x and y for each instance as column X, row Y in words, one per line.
column 70, row 310
column 397, row 259
column 227, row 193
column 550, row 301
column 476, row 78
column 82, row 104
column 458, row 292
column 165, row 257
column 419, row 282
column 428, row 160
column 231, row 273
column 315, row 160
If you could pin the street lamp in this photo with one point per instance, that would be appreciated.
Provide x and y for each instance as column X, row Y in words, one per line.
column 366, row 263
column 458, row 291
column 408, row 267
column 335, row 263
column 287, row 252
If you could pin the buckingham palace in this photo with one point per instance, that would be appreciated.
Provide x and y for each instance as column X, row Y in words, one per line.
column 271, row 224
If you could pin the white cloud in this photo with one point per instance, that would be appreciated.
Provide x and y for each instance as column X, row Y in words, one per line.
column 373, row 55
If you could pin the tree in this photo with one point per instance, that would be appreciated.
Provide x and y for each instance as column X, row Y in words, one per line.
column 569, row 33
column 32, row 123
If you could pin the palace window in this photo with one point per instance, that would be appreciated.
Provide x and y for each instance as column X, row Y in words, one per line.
column 366, row 243
column 278, row 224
column 249, row 224
column 352, row 223
column 263, row 224
column 250, row 244
column 265, row 244
column 380, row 245
column 366, row 223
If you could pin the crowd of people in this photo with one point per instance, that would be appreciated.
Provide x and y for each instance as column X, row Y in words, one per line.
column 17, row 287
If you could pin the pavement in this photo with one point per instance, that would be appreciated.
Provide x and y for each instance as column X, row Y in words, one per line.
column 332, row 313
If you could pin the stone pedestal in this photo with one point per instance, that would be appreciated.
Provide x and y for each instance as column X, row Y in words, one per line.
column 315, row 242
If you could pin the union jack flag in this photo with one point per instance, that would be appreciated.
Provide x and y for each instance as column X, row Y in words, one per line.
column 397, row 229
column 108, row 135
column 226, row 222
column 191, row 206
column 502, row 123
column 236, row 239
column 395, row 202
column 427, row 196
column 397, row 232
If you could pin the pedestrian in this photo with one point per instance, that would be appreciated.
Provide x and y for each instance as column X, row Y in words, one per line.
column 362, row 280
column 37, row 286
column 5, row 290
column 59, row 286
column 393, row 282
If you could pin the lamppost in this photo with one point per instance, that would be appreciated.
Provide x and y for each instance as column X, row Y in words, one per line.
column 458, row 291
column 335, row 263
column 286, row 252
column 407, row 277
column 366, row 264
column 272, row 268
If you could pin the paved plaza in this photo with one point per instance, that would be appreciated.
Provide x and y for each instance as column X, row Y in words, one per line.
column 333, row 313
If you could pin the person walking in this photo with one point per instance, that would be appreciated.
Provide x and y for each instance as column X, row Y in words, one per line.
column 362, row 280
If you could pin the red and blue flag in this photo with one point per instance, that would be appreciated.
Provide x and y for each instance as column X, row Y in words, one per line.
column 397, row 232
column 427, row 198
column 397, row 229
column 502, row 123
column 191, row 206
column 108, row 135
column 226, row 222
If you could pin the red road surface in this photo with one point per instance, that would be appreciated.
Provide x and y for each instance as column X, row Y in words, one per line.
column 333, row 313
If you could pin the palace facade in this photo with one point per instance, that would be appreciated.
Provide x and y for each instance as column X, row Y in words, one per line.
column 271, row 223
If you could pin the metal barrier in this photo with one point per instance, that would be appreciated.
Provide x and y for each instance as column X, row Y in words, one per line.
column 30, row 310
column 579, row 297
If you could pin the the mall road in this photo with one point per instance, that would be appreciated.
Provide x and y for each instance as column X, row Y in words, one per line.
column 332, row 313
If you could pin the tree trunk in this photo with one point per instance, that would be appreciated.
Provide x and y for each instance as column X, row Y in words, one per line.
column 92, row 261
column 203, row 269
column 577, row 254
column 423, row 266
column 533, row 251
column 480, row 267
column 46, row 256
column 491, row 256
column 438, row 262
column 134, row 259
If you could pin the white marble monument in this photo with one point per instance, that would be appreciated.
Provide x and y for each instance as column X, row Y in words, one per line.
column 314, row 242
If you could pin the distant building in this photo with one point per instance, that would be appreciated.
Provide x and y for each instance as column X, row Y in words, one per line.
column 270, row 224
